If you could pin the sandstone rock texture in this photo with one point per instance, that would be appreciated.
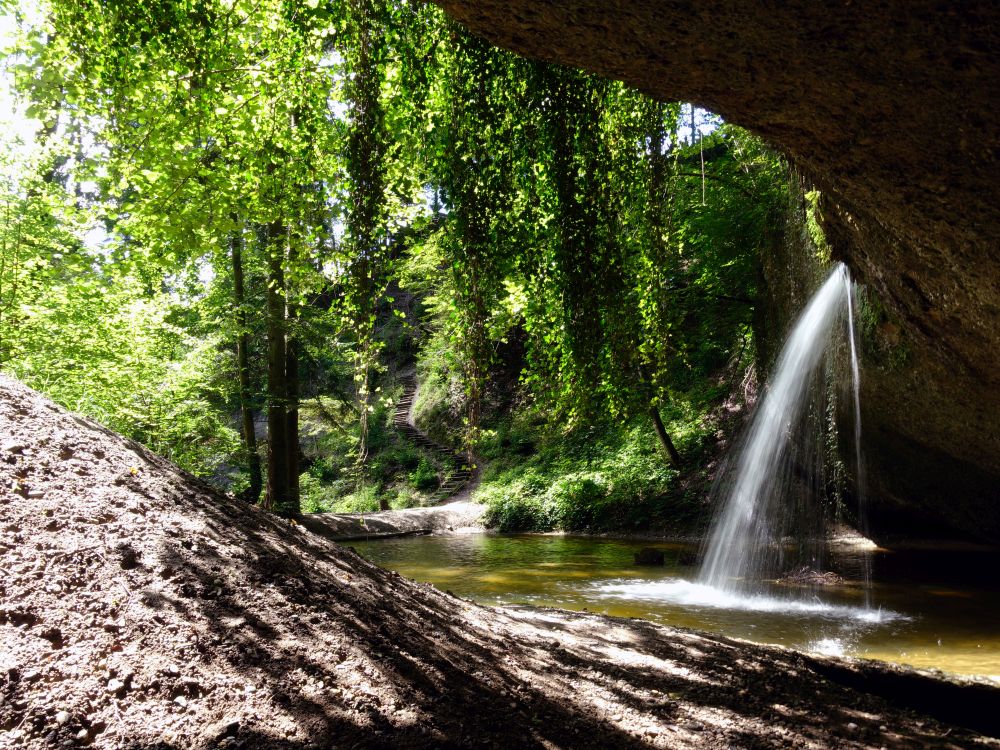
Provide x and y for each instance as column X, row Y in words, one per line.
column 889, row 108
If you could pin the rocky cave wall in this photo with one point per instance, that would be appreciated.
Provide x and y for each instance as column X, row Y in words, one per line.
column 889, row 108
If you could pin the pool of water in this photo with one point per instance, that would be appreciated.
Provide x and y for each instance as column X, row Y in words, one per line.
column 936, row 609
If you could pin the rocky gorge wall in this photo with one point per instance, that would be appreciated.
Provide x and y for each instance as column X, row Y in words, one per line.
column 889, row 109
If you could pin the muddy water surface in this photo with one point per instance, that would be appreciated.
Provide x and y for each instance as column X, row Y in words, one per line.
column 935, row 609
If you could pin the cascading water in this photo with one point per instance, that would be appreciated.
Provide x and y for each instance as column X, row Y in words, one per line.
column 747, row 530
column 860, row 480
column 773, row 471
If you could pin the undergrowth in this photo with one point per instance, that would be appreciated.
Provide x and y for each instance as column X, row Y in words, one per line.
column 608, row 477
column 396, row 470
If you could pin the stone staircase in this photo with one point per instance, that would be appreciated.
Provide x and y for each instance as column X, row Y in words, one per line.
column 458, row 472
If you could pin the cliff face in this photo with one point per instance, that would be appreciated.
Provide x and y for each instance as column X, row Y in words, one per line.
column 889, row 109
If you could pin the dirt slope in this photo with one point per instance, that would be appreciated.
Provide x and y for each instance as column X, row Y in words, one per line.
column 138, row 609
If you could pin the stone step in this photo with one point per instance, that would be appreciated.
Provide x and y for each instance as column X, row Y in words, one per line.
column 459, row 475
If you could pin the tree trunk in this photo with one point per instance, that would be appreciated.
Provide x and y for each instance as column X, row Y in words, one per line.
column 665, row 441
column 243, row 370
column 293, row 502
column 277, row 443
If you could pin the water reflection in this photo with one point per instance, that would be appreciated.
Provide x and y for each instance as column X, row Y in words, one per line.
column 929, row 609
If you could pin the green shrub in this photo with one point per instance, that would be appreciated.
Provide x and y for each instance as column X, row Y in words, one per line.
column 406, row 456
column 406, row 497
column 609, row 476
column 380, row 434
column 401, row 457
column 314, row 496
column 424, row 476
column 513, row 512
column 363, row 500
column 324, row 468
column 575, row 503
column 319, row 496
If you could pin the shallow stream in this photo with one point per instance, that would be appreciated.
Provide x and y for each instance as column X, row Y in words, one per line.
column 937, row 608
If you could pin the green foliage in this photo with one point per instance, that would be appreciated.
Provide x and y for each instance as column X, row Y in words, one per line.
column 424, row 476
column 407, row 497
column 395, row 458
column 397, row 471
column 324, row 468
column 513, row 511
column 548, row 223
column 440, row 398
column 365, row 499
column 611, row 477
column 576, row 502
column 815, row 227
column 107, row 350
column 314, row 496
column 577, row 216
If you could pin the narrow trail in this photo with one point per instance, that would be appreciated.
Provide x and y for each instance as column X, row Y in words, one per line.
column 461, row 476
column 451, row 510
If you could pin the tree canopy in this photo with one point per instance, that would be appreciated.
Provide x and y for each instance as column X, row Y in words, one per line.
column 228, row 202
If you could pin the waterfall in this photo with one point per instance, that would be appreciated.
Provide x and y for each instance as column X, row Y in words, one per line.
column 860, row 480
column 748, row 528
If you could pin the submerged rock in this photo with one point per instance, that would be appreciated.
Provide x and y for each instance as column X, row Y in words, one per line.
column 807, row 576
column 649, row 556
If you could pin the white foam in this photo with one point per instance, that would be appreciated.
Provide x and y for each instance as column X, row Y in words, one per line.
column 828, row 647
column 686, row 593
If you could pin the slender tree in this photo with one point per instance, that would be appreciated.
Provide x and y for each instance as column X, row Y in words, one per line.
column 368, row 258
column 248, row 427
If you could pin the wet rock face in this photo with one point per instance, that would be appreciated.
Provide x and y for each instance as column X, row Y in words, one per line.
column 889, row 108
